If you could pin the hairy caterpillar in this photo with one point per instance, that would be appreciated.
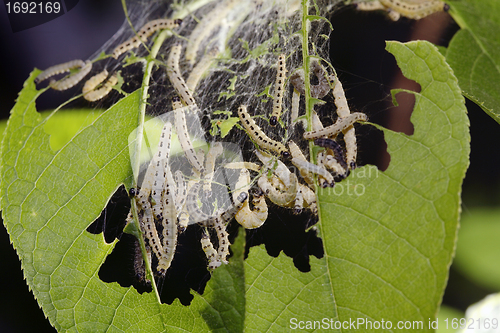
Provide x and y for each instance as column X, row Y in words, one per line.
column 258, row 136
column 73, row 79
column 97, row 94
column 183, row 135
column 341, row 125
column 309, row 198
column 278, row 91
column 223, row 250
column 174, row 74
column 58, row 69
column 143, row 34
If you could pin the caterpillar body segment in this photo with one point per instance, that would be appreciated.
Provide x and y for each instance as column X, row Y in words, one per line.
column 341, row 125
column 174, row 74
column 73, row 79
column 258, row 135
column 144, row 33
column 248, row 218
column 279, row 87
column 59, row 69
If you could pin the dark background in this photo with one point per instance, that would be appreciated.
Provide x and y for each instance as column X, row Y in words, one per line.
column 358, row 53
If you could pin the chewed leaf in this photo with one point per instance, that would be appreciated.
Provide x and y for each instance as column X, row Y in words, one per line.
column 473, row 52
column 388, row 236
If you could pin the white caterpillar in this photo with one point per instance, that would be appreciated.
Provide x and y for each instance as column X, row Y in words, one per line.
column 91, row 94
column 58, row 69
column 341, row 125
column 73, row 79
column 250, row 219
column 174, row 74
column 278, row 91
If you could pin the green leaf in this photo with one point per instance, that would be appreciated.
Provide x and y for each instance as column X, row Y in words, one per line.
column 62, row 126
column 226, row 125
column 478, row 247
column 474, row 52
column 389, row 237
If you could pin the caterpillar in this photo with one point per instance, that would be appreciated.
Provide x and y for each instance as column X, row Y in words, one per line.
column 299, row 201
column 248, row 218
column 341, row 125
column 169, row 233
column 143, row 34
column 95, row 95
column 200, row 69
column 295, row 106
column 174, row 74
column 305, row 166
column 139, row 265
column 309, row 198
column 278, row 91
column 278, row 167
column 258, row 136
column 210, row 220
column 159, row 163
column 333, row 146
column 349, row 134
column 276, row 196
column 209, row 250
column 331, row 163
column 297, row 155
column 58, row 69
column 183, row 135
column 73, row 79
column 205, row 28
column 243, row 165
column 319, row 90
column 410, row 9
column 223, row 250
column 215, row 151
